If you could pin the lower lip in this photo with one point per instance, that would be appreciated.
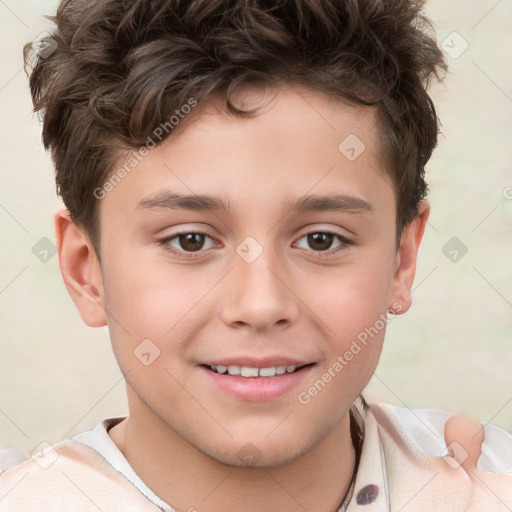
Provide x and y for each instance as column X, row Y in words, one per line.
column 257, row 389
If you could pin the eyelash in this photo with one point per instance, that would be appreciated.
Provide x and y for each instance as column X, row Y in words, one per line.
column 164, row 243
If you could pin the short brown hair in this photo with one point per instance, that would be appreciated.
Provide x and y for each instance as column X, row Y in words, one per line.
column 121, row 67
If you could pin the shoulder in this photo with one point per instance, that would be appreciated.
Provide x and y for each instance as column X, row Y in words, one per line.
column 67, row 476
column 11, row 457
column 426, row 429
column 448, row 462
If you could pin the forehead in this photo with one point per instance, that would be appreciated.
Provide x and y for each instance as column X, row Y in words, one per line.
column 286, row 120
column 299, row 142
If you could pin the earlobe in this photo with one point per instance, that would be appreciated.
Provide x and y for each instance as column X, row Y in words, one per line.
column 80, row 270
column 406, row 259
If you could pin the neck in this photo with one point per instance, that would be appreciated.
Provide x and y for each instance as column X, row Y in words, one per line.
column 190, row 480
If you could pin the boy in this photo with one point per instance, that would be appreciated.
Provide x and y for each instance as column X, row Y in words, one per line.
column 206, row 152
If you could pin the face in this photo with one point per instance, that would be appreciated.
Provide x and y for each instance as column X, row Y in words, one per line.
column 247, row 266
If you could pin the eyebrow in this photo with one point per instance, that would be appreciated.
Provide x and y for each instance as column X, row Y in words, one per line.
column 332, row 203
column 184, row 202
column 310, row 203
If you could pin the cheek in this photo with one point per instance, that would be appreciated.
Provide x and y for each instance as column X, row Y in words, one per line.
column 328, row 396
column 352, row 299
column 352, row 307
column 151, row 299
column 153, row 309
column 345, row 372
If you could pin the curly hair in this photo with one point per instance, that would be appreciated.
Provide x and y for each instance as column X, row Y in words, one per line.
column 120, row 68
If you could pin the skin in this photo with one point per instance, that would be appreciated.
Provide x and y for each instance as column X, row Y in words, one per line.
column 183, row 435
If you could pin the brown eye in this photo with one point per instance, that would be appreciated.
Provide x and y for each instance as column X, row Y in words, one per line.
column 320, row 241
column 323, row 241
column 191, row 241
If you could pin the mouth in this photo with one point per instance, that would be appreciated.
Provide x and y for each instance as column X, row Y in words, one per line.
column 256, row 381
column 250, row 372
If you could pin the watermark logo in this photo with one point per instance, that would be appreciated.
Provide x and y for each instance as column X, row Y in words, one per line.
column 44, row 250
column 44, row 455
column 147, row 352
column 454, row 455
column 249, row 454
column 454, row 45
column 249, row 250
column 454, row 249
column 352, row 147
column 41, row 48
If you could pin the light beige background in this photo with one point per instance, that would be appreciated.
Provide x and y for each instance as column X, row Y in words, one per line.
column 453, row 350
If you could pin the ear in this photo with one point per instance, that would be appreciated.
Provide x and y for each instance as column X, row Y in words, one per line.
column 405, row 267
column 80, row 270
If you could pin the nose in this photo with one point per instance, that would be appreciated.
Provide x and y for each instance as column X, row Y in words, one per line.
column 259, row 294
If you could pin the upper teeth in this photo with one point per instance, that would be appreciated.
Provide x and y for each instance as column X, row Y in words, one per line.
column 246, row 371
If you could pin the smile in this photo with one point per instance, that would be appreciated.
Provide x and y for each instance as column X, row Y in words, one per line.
column 252, row 382
column 246, row 371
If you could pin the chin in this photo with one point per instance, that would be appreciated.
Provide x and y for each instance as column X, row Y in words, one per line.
column 258, row 454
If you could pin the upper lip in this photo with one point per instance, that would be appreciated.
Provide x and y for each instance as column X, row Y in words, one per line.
column 260, row 362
